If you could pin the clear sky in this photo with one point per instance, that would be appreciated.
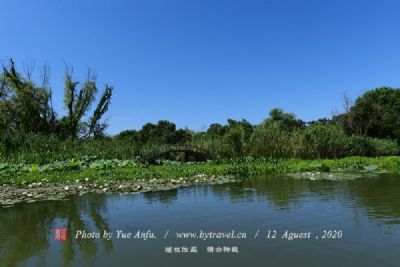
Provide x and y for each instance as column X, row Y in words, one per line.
column 198, row 62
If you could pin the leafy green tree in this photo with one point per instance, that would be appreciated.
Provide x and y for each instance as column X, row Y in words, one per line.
column 287, row 121
column 245, row 127
column 375, row 114
column 164, row 132
column 146, row 132
column 216, row 129
column 24, row 106
column 127, row 134
column 182, row 136
column 234, row 136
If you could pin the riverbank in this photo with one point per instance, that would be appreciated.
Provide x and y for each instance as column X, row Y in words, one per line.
column 29, row 183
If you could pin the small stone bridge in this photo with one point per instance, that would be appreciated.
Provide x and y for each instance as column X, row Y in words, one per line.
column 190, row 153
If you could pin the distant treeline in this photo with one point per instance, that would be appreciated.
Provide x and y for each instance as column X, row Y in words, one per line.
column 30, row 130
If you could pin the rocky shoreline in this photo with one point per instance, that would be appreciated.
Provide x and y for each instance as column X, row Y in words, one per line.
column 11, row 194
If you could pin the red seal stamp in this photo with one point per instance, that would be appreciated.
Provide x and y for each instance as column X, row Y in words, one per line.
column 60, row 234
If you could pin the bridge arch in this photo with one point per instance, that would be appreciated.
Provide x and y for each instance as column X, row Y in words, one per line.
column 190, row 153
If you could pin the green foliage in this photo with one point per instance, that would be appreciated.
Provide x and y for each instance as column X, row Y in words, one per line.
column 375, row 114
column 319, row 141
column 270, row 140
column 216, row 144
column 94, row 169
column 241, row 170
column 68, row 165
column 127, row 134
column 286, row 121
column 24, row 107
column 216, row 129
column 79, row 103
column 30, row 132
column 367, row 146
column 164, row 132
column 226, row 141
column 235, row 139
column 39, row 148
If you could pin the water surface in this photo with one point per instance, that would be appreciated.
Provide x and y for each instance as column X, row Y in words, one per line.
column 366, row 211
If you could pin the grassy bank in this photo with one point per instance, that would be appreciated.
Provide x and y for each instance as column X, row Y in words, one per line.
column 267, row 141
column 130, row 169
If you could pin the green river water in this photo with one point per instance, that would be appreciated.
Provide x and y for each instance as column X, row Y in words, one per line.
column 343, row 223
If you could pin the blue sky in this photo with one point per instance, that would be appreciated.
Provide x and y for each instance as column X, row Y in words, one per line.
column 198, row 62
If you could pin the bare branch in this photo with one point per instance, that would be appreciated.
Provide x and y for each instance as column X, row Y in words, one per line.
column 69, row 70
column 45, row 76
column 28, row 69
column 348, row 101
column 90, row 76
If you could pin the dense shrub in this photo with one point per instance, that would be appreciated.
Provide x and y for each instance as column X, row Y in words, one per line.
column 319, row 141
column 367, row 146
column 315, row 141
column 218, row 145
column 270, row 140
column 39, row 148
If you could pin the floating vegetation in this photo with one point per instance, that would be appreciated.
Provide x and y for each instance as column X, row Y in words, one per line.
column 68, row 165
column 370, row 168
column 110, row 169
column 332, row 176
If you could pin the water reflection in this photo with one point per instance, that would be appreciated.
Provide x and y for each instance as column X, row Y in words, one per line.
column 164, row 197
column 283, row 192
column 379, row 196
column 26, row 231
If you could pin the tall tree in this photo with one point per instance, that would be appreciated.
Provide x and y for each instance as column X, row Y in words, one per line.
column 78, row 104
column 287, row 121
column 375, row 114
column 24, row 106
